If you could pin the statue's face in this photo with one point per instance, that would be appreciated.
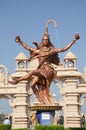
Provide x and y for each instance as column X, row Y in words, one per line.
column 45, row 42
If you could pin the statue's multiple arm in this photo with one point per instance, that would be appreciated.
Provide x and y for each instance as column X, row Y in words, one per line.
column 59, row 50
column 18, row 39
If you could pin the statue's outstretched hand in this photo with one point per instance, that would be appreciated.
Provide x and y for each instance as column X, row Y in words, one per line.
column 77, row 36
column 17, row 39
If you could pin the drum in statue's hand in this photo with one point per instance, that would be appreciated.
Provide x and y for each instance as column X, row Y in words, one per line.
column 77, row 36
column 17, row 39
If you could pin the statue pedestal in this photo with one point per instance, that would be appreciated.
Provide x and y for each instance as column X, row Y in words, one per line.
column 45, row 117
column 45, row 114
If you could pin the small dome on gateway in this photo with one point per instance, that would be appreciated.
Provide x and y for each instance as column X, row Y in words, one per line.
column 70, row 55
column 21, row 56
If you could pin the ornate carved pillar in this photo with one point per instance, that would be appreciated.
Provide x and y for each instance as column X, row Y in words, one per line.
column 20, row 109
column 71, row 98
column 70, row 78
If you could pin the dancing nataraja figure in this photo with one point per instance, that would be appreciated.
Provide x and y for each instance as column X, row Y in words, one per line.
column 45, row 73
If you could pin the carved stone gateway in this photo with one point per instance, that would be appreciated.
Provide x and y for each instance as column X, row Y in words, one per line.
column 72, row 89
column 20, row 93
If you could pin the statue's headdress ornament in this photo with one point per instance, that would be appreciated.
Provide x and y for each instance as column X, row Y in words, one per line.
column 46, row 34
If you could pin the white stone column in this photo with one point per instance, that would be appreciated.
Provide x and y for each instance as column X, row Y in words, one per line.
column 71, row 103
column 20, row 110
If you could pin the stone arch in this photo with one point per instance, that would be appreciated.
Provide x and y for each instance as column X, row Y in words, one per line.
column 4, row 77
